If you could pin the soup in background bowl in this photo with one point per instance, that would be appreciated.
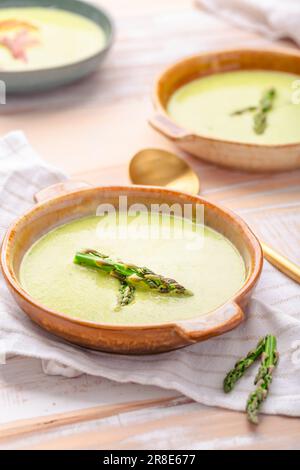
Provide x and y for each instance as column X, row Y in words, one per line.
column 49, row 43
column 225, row 105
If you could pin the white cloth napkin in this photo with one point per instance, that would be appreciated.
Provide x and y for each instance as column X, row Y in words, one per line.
column 272, row 18
column 196, row 371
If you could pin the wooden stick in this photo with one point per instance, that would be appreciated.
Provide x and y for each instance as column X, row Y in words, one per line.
column 43, row 423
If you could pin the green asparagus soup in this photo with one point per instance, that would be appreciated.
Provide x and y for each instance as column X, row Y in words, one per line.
column 197, row 257
column 34, row 38
column 224, row 106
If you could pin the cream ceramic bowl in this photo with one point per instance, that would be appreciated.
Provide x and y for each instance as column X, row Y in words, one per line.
column 244, row 156
column 66, row 201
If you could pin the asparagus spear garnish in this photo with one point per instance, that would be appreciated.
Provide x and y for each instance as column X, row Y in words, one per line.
column 265, row 106
column 242, row 365
column 133, row 275
column 126, row 295
column 248, row 109
column 263, row 379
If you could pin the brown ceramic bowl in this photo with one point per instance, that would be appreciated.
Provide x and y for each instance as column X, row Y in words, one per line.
column 66, row 201
column 250, row 157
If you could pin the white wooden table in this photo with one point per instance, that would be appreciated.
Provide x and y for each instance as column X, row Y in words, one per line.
column 90, row 130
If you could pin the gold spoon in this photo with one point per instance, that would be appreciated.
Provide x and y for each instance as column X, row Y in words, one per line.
column 156, row 167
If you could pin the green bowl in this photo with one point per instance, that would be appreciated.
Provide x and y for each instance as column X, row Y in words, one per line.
column 53, row 77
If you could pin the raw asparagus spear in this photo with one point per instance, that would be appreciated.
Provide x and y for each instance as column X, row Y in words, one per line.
column 133, row 275
column 265, row 106
column 126, row 295
column 242, row 365
column 263, row 379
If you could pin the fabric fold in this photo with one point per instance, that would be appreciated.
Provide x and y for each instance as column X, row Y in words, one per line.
column 196, row 371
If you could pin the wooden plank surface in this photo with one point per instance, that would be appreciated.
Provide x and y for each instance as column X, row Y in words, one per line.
column 90, row 130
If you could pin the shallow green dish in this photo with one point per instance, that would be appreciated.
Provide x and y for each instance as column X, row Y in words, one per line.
column 53, row 77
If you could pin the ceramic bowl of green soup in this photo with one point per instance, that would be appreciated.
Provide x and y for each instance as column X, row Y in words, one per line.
column 48, row 43
column 237, row 108
column 133, row 270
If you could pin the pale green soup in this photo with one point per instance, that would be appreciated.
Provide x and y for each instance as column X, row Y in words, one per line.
column 205, row 106
column 199, row 258
column 54, row 37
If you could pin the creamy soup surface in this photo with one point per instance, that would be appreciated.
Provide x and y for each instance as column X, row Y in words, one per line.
column 36, row 38
column 214, row 272
column 205, row 106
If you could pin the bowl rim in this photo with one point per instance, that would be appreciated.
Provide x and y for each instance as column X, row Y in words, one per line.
column 6, row 74
column 14, row 283
column 286, row 51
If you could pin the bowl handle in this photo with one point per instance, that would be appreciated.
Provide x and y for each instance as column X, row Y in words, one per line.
column 168, row 128
column 223, row 319
column 58, row 189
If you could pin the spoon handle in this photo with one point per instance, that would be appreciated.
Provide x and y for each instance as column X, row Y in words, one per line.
column 282, row 263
